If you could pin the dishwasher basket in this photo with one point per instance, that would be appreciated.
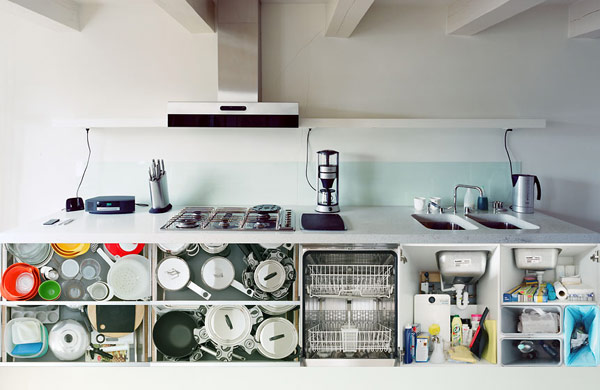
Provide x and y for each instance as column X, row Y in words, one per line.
column 366, row 281
column 349, row 331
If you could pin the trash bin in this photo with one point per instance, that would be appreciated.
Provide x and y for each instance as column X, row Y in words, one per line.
column 588, row 317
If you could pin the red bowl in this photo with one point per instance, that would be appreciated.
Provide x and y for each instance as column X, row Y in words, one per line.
column 9, row 279
column 118, row 250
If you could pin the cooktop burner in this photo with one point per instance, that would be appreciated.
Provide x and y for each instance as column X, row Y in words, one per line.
column 262, row 217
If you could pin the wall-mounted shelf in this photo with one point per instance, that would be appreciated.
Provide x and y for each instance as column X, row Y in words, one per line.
column 327, row 123
column 423, row 123
column 108, row 123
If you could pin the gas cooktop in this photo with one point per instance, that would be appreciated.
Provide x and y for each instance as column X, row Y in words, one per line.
column 262, row 217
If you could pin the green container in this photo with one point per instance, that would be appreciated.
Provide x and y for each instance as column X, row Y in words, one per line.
column 49, row 290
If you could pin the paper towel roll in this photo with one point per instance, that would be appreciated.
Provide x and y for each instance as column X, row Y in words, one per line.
column 561, row 291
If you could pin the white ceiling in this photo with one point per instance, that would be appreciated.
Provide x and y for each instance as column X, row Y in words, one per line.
column 399, row 2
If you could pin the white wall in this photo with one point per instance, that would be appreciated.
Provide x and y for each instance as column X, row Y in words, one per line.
column 131, row 58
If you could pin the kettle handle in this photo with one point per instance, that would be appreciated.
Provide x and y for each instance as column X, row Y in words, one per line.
column 539, row 188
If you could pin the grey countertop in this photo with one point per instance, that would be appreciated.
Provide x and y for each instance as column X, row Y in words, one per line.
column 365, row 225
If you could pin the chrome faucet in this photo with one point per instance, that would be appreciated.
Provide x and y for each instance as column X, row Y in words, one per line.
column 456, row 187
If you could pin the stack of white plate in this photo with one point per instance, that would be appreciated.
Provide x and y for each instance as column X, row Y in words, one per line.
column 37, row 255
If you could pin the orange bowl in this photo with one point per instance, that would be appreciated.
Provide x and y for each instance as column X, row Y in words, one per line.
column 9, row 282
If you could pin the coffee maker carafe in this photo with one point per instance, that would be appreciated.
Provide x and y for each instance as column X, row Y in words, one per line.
column 523, row 193
column 327, row 181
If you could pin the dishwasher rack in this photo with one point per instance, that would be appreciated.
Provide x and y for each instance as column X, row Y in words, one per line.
column 349, row 331
column 345, row 280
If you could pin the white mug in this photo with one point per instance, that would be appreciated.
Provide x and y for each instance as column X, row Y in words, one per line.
column 100, row 291
column 419, row 203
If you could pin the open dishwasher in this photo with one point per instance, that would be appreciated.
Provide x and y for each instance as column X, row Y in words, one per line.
column 350, row 305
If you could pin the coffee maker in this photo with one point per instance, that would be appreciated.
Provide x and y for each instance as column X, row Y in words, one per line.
column 327, row 181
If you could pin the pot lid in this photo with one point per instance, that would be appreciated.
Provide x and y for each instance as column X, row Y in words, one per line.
column 172, row 247
column 276, row 310
column 173, row 273
column 269, row 275
column 213, row 248
column 277, row 338
column 68, row 340
column 228, row 325
column 218, row 273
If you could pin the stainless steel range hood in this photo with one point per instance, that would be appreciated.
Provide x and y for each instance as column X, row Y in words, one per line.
column 239, row 68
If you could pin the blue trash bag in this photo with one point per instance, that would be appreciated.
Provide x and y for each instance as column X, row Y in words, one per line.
column 589, row 318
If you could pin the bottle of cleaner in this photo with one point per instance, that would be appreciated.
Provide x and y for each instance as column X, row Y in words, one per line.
column 407, row 337
column 456, row 326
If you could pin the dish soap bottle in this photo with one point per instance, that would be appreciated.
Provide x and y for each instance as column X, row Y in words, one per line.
column 470, row 200
column 456, row 326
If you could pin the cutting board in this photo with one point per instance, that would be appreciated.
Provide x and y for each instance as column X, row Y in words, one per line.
column 432, row 309
column 490, row 351
column 116, row 320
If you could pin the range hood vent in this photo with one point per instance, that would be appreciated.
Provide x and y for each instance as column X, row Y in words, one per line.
column 239, row 68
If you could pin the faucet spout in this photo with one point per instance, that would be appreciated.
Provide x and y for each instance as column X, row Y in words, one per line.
column 456, row 187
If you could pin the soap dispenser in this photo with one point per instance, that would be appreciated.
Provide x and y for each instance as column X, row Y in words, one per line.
column 437, row 356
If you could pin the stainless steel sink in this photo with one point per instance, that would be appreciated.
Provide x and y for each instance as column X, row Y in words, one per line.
column 502, row 221
column 443, row 222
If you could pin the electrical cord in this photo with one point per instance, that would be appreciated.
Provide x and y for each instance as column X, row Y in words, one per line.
column 306, row 161
column 508, row 154
column 87, row 136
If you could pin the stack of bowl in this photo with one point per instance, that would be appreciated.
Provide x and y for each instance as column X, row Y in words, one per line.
column 26, row 338
column 69, row 251
column 20, row 282
column 37, row 255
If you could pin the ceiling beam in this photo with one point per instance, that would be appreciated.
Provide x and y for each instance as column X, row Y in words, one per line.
column 59, row 15
column 584, row 19
column 344, row 15
column 197, row 16
column 469, row 17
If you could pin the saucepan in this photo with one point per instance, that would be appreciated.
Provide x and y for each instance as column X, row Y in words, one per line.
column 177, row 249
column 174, row 274
column 218, row 273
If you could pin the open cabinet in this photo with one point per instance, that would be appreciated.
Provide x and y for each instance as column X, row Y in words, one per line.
column 425, row 300
column 349, row 305
column 549, row 344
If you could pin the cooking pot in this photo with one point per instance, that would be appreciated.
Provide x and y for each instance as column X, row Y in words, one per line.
column 229, row 327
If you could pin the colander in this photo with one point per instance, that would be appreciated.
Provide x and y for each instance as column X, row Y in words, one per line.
column 129, row 276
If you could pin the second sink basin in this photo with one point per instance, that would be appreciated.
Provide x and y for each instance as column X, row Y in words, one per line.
column 443, row 222
column 502, row 221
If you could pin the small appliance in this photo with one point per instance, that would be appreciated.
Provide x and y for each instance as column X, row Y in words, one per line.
column 110, row 205
column 328, row 181
column 523, row 192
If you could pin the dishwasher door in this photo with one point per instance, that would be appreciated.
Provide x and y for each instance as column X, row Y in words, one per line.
column 349, row 306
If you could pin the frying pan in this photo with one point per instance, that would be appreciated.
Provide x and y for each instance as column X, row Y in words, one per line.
column 173, row 274
column 173, row 335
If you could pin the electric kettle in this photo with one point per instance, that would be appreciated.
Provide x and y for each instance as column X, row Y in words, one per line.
column 523, row 193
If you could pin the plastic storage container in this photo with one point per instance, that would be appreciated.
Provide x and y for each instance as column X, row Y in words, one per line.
column 511, row 316
column 544, row 352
